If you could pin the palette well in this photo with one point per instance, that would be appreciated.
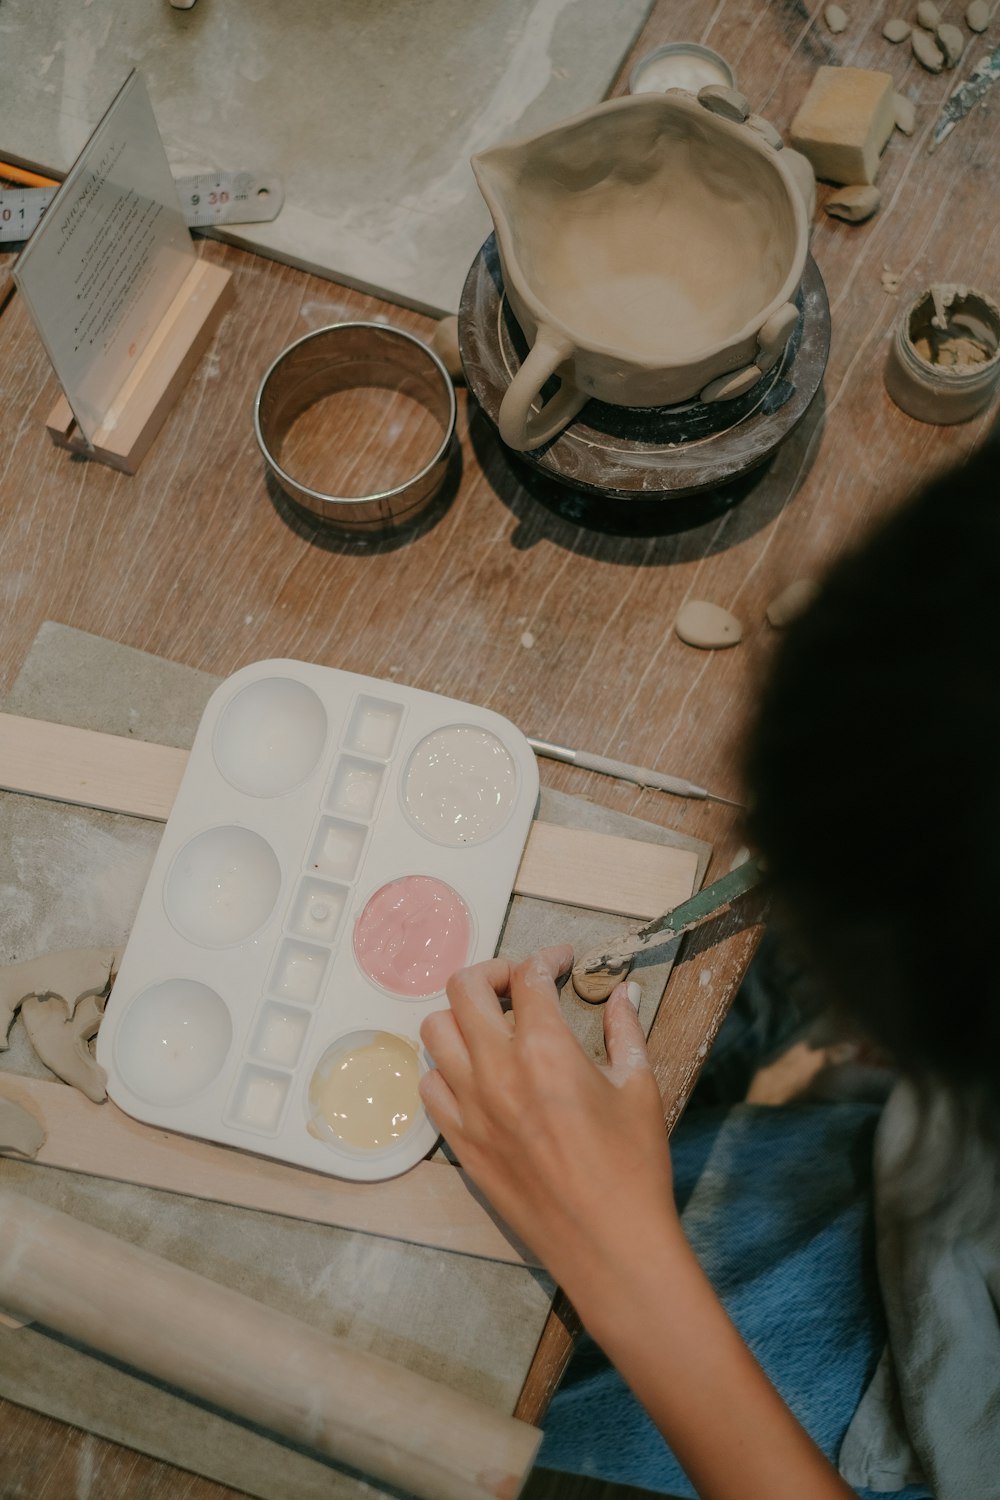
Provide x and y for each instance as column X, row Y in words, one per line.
column 339, row 846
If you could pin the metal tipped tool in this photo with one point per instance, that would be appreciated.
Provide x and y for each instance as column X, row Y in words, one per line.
column 639, row 775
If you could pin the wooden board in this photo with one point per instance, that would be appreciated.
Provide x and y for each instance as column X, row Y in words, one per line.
column 576, row 866
column 434, row 1204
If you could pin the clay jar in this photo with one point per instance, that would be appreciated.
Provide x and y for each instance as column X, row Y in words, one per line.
column 651, row 251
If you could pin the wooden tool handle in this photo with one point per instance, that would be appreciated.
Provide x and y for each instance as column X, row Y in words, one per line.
column 394, row 1425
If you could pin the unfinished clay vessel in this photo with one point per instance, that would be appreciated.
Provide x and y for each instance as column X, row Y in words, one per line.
column 645, row 245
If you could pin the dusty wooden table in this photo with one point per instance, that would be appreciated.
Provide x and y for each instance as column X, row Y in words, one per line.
column 566, row 631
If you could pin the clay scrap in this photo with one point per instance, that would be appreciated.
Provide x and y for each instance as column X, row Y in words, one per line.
column 19, row 1130
column 896, row 29
column 952, row 42
column 61, row 998
column 835, row 18
column 926, row 51
column 790, row 603
column 854, row 204
column 977, row 15
column 708, row 626
column 904, row 113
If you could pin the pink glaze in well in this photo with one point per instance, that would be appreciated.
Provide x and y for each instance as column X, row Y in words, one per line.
column 412, row 935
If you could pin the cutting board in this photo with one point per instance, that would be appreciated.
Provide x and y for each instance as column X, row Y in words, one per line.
column 367, row 109
column 75, row 876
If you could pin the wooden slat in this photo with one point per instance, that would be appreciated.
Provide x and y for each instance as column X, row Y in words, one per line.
column 89, row 769
column 107, row 771
column 604, row 872
column 434, row 1204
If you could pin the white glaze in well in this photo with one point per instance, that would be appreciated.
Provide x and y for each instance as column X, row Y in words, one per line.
column 459, row 785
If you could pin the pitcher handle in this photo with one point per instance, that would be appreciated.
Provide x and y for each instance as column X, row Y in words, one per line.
column 524, row 429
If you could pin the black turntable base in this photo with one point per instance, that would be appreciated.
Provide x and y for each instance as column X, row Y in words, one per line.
column 645, row 471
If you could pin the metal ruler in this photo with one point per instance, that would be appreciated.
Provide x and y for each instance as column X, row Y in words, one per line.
column 207, row 199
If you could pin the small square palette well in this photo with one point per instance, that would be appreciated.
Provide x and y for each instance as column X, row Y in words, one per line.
column 339, row 846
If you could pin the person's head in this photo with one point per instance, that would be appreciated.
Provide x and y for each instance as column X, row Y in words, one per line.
column 873, row 779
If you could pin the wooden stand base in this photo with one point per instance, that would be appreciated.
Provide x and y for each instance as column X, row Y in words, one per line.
column 141, row 406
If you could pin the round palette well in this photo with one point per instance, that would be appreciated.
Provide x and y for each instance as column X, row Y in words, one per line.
column 222, row 886
column 459, row 785
column 644, row 471
column 172, row 1041
column 363, row 1092
column 270, row 737
column 412, row 935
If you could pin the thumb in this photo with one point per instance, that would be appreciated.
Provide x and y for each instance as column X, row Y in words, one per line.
column 623, row 1038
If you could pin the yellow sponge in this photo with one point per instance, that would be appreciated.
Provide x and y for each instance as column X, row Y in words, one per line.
column 844, row 122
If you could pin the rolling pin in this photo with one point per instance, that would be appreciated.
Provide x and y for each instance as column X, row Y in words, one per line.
column 169, row 1322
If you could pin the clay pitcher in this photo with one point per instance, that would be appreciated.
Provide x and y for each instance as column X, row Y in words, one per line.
column 651, row 251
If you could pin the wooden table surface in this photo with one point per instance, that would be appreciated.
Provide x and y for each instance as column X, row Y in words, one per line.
column 566, row 631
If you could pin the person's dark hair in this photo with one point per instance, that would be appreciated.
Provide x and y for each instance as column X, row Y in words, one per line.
column 873, row 779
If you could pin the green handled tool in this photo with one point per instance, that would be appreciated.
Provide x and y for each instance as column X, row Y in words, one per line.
column 596, row 974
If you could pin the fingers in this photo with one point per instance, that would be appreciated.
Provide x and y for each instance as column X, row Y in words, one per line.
column 473, row 994
column 623, row 1038
column 441, row 1104
column 441, row 1036
column 533, row 992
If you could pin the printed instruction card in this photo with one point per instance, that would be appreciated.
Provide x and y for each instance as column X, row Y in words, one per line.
column 107, row 258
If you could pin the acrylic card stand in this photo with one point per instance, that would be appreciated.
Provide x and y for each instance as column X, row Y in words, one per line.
column 339, row 845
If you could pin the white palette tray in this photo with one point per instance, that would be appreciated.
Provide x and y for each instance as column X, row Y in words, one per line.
column 338, row 846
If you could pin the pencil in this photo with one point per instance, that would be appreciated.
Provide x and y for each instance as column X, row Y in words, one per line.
column 24, row 178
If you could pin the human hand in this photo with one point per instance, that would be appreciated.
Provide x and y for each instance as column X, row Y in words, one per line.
column 573, row 1156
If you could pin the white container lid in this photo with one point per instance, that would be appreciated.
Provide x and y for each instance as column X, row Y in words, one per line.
column 679, row 65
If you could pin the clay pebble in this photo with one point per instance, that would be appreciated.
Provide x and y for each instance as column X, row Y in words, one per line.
column 835, row 18
column 766, row 130
column 928, row 15
column 790, row 602
column 905, row 113
column 728, row 387
column 854, row 204
column 728, row 103
column 926, row 51
column 708, row 626
column 952, row 43
column 896, row 29
column 977, row 15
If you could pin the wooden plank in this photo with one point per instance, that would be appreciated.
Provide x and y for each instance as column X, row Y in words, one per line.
column 574, row 866
column 89, row 769
column 434, row 1204
column 603, row 872
column 160, row 374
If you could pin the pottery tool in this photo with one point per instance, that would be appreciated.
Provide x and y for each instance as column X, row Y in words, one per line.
column 640, row 775
column 248, row 1358
column 207, row 199
column 964, row 96
column 596, row 973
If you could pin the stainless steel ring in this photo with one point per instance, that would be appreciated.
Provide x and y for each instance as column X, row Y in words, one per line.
column 338, row 358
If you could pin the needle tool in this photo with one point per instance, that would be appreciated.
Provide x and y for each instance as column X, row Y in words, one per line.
column 640, row 775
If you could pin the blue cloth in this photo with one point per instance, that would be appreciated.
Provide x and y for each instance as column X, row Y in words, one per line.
column 776, row 1203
